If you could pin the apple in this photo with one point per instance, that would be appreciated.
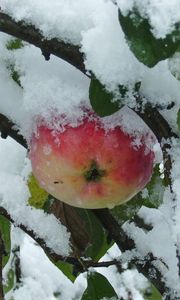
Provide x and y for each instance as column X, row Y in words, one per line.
column 89, row 166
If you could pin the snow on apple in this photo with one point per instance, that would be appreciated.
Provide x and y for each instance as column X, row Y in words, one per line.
column 91, row 167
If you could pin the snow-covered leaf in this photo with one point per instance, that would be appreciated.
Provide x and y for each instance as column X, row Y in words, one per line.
column 9, row 284
column 101, row 100
column 146, row 47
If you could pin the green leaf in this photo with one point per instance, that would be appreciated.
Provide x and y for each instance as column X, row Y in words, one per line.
column 152, row 294
column 57, row 294
column 47, row 204
column 146, row 47
column 99, row 245
column 14, row 74
column 14, row 44
column 98, row 288
column 66, row 268
column 126, row 211
column 5, row 229
column 38, row 195
column 9, row 284
column 178, row 119
column 101, row 100
column 155, row 189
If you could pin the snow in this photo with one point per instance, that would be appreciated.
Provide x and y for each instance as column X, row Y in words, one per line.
column 95, row 27
column 159, row 241
column 104, row 58
column 174, row 205
column 58, row 18
column 68, row 20
column 128, row 280
column 174, row 65
column 54, row 88
column 41, row 279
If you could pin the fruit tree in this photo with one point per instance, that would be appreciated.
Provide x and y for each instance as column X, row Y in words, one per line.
column 89, row 149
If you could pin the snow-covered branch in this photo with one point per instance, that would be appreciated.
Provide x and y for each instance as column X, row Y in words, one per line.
column 7, row 128
column 30, row 34
column 125, row 243
column 122, row 241
column 80, row 264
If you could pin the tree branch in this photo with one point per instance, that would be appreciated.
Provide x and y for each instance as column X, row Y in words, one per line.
column 30, row 34
column 7, row 128
column 118, row 235
column 122, row 241
column 82, row 265
column 144, row 266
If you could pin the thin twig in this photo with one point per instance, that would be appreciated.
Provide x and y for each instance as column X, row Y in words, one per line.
column 17, row 265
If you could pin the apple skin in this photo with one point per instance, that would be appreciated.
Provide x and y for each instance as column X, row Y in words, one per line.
column 89, row 167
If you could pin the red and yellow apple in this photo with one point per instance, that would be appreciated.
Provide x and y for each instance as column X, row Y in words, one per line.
column 89, row 166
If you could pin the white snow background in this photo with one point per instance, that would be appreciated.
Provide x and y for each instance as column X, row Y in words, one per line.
column 56, row 86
